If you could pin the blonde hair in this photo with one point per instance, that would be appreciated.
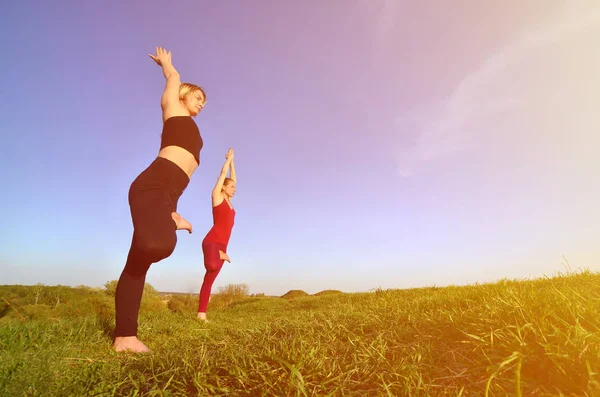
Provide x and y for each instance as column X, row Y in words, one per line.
column 227, row 181
column 186, row 89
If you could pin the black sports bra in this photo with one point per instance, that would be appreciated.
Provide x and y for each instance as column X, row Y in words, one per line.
column 182, row 131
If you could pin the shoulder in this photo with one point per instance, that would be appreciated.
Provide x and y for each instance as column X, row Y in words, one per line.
column 217, row 199
column 172, row 111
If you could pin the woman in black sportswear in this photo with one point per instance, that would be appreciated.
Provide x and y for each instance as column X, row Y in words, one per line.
column 153, row 197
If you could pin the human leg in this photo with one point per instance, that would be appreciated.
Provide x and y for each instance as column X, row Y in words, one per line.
column 153, row 199
column 213, row 265
column 154, row 239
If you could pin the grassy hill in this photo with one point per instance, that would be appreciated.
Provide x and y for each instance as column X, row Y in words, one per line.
column 529, row 338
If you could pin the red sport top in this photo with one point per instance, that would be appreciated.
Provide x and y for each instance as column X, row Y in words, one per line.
column 223, row 219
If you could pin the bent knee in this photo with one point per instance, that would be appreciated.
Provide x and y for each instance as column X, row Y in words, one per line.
column 157, row 248
column 214, row 267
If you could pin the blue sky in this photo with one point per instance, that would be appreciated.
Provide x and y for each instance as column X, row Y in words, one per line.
column 377, row 144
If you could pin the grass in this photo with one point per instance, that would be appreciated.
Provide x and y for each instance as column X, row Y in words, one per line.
column 519, row 338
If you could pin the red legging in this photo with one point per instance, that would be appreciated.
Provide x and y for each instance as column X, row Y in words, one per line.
column 213, row 264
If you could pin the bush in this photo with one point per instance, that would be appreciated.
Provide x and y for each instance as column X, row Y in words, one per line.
column 228, row 294
column 176, row 305
column 111, row 288
column 234, row 290
column 183, row 303
column 150, row 299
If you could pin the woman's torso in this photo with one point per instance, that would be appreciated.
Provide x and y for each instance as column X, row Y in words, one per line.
column 181, row 143
column 223, row 221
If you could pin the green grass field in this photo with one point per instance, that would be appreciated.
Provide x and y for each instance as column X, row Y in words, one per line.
column 516, row 338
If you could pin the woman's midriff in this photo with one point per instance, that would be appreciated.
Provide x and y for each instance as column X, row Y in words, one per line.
column 184, row 159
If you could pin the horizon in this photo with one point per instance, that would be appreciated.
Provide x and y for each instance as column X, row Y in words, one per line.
column 568, row 272
column 377, row 145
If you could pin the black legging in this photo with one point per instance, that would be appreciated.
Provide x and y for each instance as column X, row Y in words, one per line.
column 153, row 197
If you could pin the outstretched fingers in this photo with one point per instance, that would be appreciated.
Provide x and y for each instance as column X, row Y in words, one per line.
column 161, row 55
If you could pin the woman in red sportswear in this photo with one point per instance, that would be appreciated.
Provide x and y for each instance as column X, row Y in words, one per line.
column 214, row 245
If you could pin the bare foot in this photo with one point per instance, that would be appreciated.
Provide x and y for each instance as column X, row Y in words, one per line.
column 129, row 343
column 202, row 316
column 181, row 223
column 223, row 255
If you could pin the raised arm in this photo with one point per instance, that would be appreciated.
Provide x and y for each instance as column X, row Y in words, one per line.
column 217, row 197
column 232, row 171
column 170, row 97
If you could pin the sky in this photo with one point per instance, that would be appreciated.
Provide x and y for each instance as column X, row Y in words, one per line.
column 378, row 144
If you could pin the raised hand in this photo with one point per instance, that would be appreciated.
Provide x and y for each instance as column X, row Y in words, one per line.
column 163, row 57
column 229, row 154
